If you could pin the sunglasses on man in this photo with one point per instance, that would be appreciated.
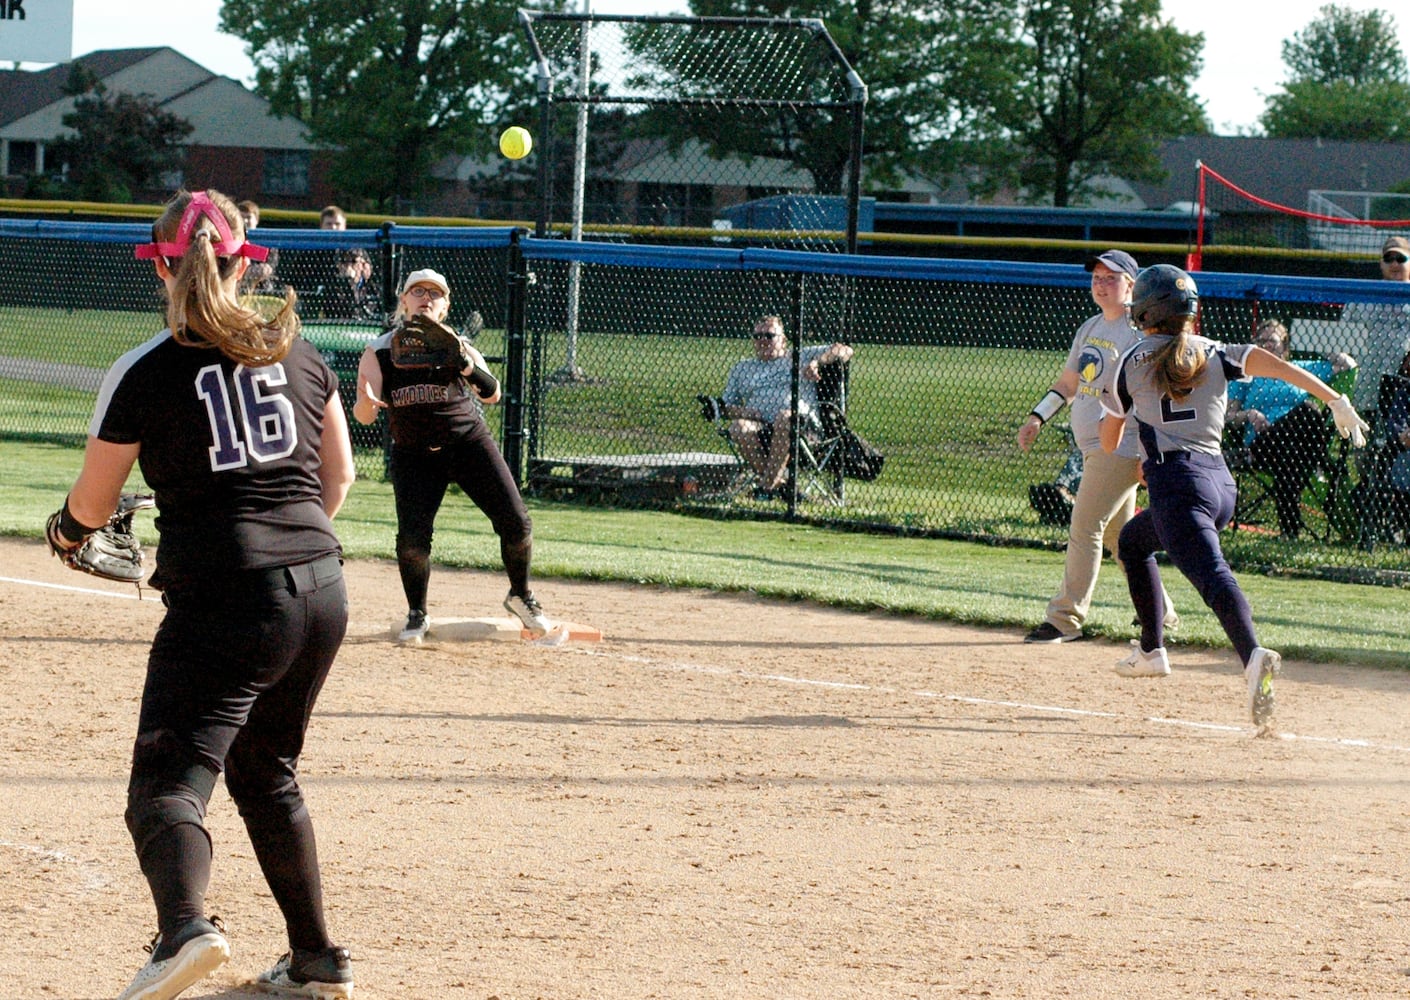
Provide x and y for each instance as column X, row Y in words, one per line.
column 1394, row 258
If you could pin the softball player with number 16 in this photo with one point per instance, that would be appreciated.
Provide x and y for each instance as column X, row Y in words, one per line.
column 238, row 427
column 1176, row 383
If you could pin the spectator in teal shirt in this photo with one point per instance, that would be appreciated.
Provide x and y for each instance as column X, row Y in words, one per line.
column 1284, row 430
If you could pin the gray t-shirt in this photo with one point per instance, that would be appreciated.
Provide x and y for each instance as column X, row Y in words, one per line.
column 1195, row 423
column 767, row 386
column 1095, row 350
column 1387, row 342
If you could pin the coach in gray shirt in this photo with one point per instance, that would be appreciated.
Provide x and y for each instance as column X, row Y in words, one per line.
column 1387, row 328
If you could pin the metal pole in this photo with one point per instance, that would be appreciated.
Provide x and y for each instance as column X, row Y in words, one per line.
column 514, row 342
column 570, row 372
column 854, row 166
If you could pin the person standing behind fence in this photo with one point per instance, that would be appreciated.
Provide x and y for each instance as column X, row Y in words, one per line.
column 238, row 428
column 439, row 437
column 1175, row 383
column 1286, row 435
column 1387, row 328
column 1106, row 496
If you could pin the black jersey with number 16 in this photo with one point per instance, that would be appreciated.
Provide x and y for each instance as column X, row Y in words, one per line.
column 232, row 453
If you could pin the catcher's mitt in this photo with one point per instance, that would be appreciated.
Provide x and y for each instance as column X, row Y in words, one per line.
column 113, row 551
column 422, row 342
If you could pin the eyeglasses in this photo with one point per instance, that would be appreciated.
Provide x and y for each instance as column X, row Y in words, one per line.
column 765, row 334
column 425, row 292
column 1394, row 258
column 1106, row 279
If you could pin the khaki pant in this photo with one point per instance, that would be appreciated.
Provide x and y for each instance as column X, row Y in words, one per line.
column 1106, row 500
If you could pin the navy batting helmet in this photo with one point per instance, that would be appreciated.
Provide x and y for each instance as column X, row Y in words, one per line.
column 1162, row 291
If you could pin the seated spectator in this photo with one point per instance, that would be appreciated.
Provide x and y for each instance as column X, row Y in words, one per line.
column 1284, row 430
column 758, row 399
column 353, row 294
column 332, row 217
column 249, row 213
column 1387, row 328
column 259, row 277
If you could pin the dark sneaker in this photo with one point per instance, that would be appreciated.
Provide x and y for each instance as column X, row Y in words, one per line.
column 528, row 610
column 415, row 628
column 322, row 975
column 193, row 952
column 1047, row 632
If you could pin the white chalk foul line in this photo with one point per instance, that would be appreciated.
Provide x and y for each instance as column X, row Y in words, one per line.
column 92, row 880
column 80, row 590
column 1353, row 743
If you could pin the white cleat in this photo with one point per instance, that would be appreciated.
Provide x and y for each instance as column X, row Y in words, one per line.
column 165, row 976
column 1156, row 663
column 1262, row 667
column 528, row 610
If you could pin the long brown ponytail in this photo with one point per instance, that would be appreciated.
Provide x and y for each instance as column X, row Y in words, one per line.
column 1176, row 365
column 202, row 309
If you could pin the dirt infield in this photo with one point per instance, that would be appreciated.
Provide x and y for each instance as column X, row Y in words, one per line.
column 729, row 797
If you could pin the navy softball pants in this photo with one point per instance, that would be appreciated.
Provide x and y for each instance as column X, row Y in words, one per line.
column 1191, row 499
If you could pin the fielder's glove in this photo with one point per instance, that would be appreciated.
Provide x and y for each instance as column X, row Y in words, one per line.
column 1348, row 421
column 112, row 552
column 422, row 342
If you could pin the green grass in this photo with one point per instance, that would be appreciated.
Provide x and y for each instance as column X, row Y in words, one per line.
column 954, row 581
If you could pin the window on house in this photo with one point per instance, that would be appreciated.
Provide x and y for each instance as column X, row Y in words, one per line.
column 286, row 171
column 24, row 158
column 673, row 205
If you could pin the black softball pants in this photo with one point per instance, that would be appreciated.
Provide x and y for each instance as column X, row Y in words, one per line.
column 232, row 677
column 420, row 478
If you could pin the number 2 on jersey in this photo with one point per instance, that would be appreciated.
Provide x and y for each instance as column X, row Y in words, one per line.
column 265, row 430
column 1170, row 415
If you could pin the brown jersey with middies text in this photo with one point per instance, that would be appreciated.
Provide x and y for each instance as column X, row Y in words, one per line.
column 426, row 407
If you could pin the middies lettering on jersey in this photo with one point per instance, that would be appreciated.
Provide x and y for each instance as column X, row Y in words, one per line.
column 413, row 395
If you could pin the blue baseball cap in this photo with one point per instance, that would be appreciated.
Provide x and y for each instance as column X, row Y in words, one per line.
column 1118, row 260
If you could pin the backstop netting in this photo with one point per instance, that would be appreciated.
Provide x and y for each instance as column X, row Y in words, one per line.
column 738, row 130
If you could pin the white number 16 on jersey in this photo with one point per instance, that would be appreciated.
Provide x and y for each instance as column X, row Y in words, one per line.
column 266, row 429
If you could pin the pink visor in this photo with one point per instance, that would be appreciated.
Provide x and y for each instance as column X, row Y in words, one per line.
column 226, row 247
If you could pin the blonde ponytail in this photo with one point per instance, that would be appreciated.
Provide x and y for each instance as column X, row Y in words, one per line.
column 203, row 309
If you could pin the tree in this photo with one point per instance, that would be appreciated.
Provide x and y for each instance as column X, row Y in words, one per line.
column 121, row 145
column 1346, row 46
column 392, row 87
column 1348, row 81
column 1091, row 86
column 1378, row 111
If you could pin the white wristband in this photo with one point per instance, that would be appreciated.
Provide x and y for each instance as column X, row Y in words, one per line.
column 1049, row 405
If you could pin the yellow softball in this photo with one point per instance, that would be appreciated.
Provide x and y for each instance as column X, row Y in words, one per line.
column 515, row 142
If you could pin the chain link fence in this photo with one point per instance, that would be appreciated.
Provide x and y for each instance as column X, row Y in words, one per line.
column 949, row 355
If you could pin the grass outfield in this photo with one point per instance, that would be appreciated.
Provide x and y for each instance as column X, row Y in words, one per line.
column 978, row 584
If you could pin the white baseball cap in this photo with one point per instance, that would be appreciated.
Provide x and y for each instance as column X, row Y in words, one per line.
column 425, row 276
